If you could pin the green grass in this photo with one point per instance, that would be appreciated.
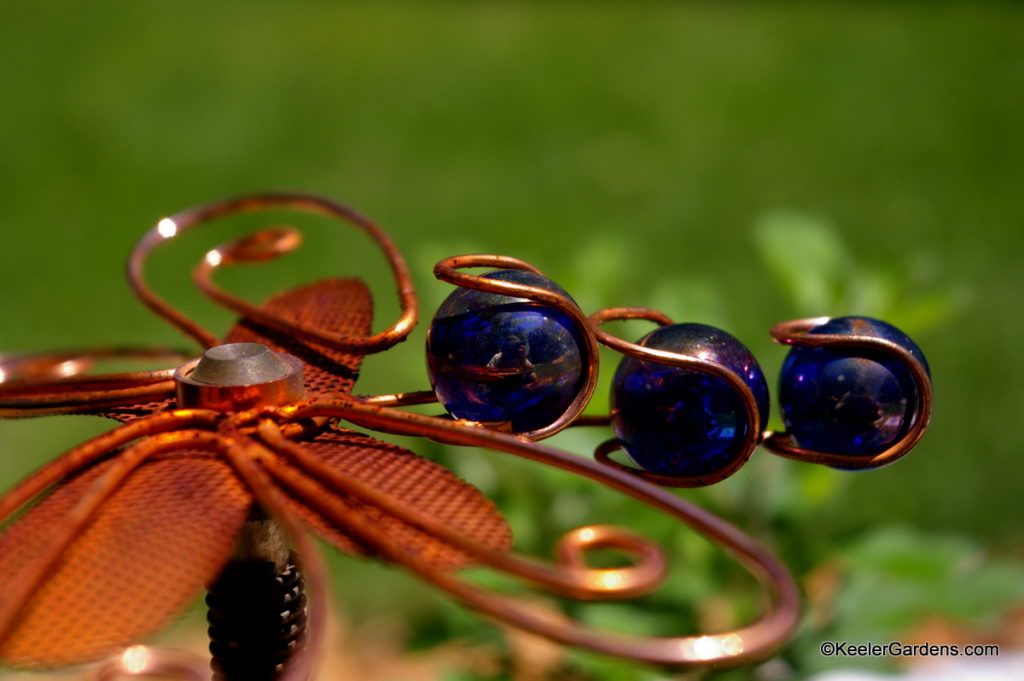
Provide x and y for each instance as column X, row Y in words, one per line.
column 634, row 152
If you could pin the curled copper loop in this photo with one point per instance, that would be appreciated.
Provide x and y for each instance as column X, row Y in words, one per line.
column 35, row 384
column 265, row 245
column 745, row 645
column 447, row 270
column 140, row 660
column 795, row 333
column 571, row 577
column 752, row 413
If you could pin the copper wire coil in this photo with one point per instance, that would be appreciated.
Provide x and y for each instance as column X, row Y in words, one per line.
column 795, row 333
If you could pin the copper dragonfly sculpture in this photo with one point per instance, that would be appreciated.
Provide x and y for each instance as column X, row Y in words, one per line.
column 105, row 544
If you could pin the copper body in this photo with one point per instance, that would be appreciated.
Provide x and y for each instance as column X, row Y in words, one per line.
column 362, row 495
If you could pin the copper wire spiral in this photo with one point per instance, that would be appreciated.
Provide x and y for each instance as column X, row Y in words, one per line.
column 733, row 648
column 257, row 247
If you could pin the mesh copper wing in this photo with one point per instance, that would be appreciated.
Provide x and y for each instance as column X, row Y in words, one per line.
column 414, row 482
column 343, row 306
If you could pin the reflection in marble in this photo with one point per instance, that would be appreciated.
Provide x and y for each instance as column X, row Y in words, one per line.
column 496, row 358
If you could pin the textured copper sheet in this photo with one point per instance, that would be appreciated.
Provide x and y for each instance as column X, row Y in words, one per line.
column 419, row 484
column 341, row 306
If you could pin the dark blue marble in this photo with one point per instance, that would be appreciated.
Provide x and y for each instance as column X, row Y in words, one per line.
column 682, row 422
column 497, row 358
column 848, row 401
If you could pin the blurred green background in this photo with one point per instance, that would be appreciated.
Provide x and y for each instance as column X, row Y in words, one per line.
column 731, row 163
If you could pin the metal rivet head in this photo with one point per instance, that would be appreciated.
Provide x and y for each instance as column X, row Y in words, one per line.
column 239, row 376
column 239, row 364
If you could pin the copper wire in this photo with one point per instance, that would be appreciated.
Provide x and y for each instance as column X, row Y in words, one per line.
column 744, row 645
column 44, row 366
column 796, row 333
column 38, row 384
column 570, row 578
column 752, row 432
column 401, row 399
column 270, row 245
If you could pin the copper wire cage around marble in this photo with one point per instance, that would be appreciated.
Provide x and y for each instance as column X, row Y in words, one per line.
column 106, row 543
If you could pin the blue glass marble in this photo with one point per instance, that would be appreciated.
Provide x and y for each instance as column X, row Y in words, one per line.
column 849, row 401
column 683, row 422
column 497, row 358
